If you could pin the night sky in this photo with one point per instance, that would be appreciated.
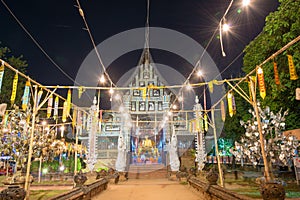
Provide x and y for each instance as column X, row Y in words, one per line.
column 58, row 28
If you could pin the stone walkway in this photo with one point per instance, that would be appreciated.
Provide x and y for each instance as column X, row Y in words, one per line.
column 148, row 189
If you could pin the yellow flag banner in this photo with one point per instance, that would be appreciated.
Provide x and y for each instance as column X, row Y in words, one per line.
column 261, row 82
column 40, row 93
column 211, row 86
column 144, row 93
column 276, row 75
column 223, row 113
column 205, row 122
column 74, row 118
column 26, row 95
column 151, row 86
column 229, row 101
column 1, row 74
column 293, row 72
column 81, row 89
column 69, row 102
column 49, row 108
column 65, row 110
column 14, row 89
column 55, row 112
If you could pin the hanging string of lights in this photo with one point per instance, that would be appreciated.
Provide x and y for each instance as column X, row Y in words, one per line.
column 192, row 85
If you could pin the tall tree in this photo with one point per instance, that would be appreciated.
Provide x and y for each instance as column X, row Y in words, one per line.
column 19, row 64
column 281, row 27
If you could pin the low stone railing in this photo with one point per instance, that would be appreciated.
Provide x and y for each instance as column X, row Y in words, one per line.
column 85, row 192
column 214, row 192
column 111, row 175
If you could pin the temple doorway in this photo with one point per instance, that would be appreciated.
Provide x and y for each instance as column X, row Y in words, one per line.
column 147, row 147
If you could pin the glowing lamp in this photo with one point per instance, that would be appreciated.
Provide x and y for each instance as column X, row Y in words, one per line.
column 246, row 2
column 102, row 79
column 111, row 91
column 44, row 123
column 199, row 73
column 62, row 168
column 226, row 27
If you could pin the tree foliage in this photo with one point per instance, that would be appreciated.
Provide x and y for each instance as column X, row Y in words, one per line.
column 281, row 27
column 19, row 64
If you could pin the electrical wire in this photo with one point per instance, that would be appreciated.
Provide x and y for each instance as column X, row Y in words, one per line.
column 237, row 57
column 186, row 82
column 36, row 43
column 93, row 42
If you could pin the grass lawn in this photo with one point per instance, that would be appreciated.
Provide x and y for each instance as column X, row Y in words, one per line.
column 43, row 194
column 252, row 189
column 254, row 192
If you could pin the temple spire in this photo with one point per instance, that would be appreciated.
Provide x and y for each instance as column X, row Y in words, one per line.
column 145, row 57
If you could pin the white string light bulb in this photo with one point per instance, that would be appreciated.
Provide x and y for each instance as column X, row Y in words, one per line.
column 199, row 73
column 44, row 123
column 246, row 2
column 102, row 79
column 62, row 128
column 226, row 27
column 188, row 86
column 111, row 91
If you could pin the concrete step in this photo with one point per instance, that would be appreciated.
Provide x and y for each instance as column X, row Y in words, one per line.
column 147, row 171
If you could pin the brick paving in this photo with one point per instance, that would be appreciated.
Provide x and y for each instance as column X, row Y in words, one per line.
column 149, row 189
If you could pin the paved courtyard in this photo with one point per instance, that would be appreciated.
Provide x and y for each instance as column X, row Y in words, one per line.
column 149, row 189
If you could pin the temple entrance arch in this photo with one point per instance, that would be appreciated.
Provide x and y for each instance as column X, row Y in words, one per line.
column 148, row 147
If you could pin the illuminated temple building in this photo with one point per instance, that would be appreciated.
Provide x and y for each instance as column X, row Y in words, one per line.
column 143, row 121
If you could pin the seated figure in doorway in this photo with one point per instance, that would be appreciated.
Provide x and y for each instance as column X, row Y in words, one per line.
column 147, row 142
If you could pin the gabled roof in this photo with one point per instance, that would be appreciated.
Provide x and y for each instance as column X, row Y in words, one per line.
column 146, row 58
